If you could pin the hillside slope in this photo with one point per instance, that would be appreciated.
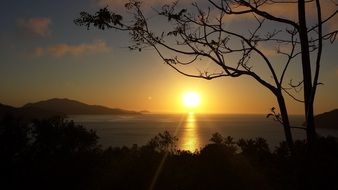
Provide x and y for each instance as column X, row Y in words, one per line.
column 327, row 119
column 73, row 107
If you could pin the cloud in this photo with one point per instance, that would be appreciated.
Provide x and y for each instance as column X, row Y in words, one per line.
column 60, row 50
column 39, row 26
column 39, row 52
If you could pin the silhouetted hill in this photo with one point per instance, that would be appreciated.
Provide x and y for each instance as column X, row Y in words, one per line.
column 72, row 107
column 327, row 119
column 27, row 112
column 36, row 113
column 57, row 107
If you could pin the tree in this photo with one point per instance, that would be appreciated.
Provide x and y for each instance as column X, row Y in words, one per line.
column 201, row 33
column 163, row 142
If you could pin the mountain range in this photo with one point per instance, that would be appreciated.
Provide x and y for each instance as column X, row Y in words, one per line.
column 60, row 107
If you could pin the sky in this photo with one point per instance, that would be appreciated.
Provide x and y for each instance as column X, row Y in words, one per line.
column 45, row 55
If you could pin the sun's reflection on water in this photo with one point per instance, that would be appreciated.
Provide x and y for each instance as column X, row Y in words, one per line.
column 189, row 139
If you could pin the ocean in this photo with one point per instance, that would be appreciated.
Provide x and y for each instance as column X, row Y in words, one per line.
column 193, row 130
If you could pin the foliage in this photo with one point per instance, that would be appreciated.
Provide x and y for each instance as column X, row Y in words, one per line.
column 58, row 154
column 227, row 143
column 42, row 153
column 163, row 142
column 59, row 135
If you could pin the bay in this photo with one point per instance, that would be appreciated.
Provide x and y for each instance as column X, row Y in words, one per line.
column 192, row 130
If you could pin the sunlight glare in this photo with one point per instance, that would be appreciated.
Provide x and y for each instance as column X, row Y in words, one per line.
column 190, row 139
column 191, row 100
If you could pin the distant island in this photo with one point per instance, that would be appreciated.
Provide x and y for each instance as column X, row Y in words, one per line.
column 327, row 119
column 60, row 107
column 145, row 111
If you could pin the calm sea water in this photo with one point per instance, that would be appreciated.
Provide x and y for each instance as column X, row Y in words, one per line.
column 193, row 130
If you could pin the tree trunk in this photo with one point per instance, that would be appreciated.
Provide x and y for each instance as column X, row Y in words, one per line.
column 307, row 78
column 285, row 120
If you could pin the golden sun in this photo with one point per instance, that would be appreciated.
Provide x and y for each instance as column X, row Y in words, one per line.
column 191, row 100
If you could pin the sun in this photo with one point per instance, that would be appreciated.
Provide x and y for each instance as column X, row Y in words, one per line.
column 191, row 100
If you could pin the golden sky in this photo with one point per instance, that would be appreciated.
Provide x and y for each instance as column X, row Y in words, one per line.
column 44, row 55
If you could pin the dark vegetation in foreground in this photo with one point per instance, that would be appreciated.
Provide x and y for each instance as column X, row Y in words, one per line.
column 58, row 154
